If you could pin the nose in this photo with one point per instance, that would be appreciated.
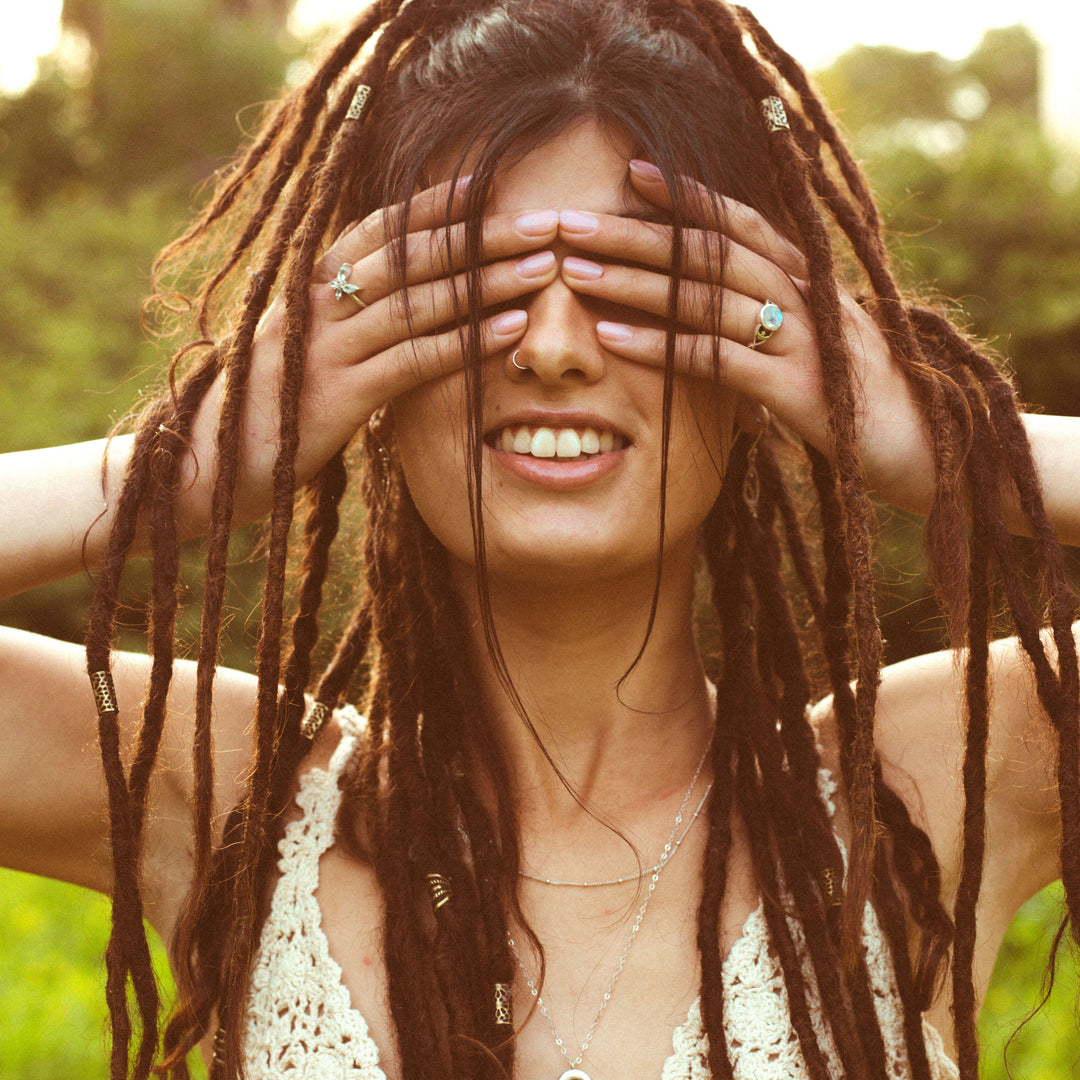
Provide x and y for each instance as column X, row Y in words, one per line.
column 560, row 347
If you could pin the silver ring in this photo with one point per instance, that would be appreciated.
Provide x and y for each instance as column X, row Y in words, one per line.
column 513, row 360
column 343, row 287
column 770, row 319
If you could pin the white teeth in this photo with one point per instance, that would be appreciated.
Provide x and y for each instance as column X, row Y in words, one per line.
column 543, row 443
column 565, row 443
column 568, row 444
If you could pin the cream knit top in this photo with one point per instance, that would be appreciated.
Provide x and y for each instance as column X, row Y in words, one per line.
column 301, row 1024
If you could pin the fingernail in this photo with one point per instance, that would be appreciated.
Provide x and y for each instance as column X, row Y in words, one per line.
column 463, row 182
column 615, row 332
column 581, row 268
column 577, row 221
column 536, row 265
column 537, row 222
column 509, row 322
column 645, row 169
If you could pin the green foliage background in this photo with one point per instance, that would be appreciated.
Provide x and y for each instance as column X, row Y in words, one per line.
column 99, row 161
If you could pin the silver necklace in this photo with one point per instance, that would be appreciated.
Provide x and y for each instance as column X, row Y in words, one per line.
column 670, row 847
column 619, row 880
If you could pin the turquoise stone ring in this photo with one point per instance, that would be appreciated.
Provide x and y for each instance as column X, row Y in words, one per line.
column 770, row 319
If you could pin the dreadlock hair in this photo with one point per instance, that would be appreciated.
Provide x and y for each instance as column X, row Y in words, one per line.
column 492, row 79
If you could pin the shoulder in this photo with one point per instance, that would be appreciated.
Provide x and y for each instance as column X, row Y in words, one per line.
column 920, row 734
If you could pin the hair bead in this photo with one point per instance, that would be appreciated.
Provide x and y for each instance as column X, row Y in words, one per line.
column 772, row 108
column 504, row 1006
column 101, row 682
column 441, row 892
column 219, row 1046
column 356, row 109
column 314, row 719
column 831, row 887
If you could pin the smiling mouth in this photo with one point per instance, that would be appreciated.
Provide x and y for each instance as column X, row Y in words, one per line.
column 562, row 444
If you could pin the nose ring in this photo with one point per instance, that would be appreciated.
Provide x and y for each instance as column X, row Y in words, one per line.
column 513, row 360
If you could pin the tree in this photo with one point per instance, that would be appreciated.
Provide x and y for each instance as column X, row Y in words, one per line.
column 157, row 100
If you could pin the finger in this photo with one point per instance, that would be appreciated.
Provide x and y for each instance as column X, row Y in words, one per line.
column 735, row 219
column 434, row 253
column 700, row 306
column 706, row 255
column 700, row 356
column 433, row 206
column 428, row 307
column 416, row 360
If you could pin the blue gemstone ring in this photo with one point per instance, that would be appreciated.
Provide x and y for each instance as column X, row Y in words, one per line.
column 770, row 319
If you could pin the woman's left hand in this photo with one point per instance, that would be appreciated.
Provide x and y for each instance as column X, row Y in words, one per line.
column 732, row 262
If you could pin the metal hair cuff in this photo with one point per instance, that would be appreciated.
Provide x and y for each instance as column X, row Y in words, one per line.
column 772, row 108
column 314, row 719
column 441, row 892
column 356, row 109
column 832, row 887
column 101, row 682
column 504, row 1006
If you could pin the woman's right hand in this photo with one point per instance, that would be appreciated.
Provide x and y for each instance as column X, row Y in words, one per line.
column 56, row 514
column 362, row 355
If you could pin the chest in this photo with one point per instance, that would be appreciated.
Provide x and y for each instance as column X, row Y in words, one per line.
column 621, row 972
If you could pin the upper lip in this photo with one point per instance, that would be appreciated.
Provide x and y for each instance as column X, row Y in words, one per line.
column 537, row 417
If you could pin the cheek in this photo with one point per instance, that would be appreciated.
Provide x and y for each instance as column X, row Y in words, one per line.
column 429, row 432
column 701, row 437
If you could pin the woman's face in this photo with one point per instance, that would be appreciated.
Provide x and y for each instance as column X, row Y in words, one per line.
column 554, row 518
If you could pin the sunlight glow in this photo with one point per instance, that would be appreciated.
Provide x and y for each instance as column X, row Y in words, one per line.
column 26, row 33
column 814, row 33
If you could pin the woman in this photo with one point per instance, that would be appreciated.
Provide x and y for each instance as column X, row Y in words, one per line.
column 561, row 848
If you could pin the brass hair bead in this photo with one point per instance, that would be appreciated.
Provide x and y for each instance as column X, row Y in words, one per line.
column 832, row 887
column 101, row 682
column 504, row 1007
column 356, row 109
column 772, row 108
column 314, row 719
column 441, row 893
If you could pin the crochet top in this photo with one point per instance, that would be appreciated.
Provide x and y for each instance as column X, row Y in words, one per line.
column 301, row 1024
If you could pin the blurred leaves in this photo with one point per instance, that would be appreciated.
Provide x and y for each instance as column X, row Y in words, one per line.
column 100, row 160
column 983, row 205
column 142, row 92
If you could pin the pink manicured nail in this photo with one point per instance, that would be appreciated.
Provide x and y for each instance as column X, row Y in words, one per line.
column 509, row 322
column 577, row 221
column 463, row 183
column 615, row 332
column 537, row 222
column 582, row 268
column 646, row 170
column 536, row 265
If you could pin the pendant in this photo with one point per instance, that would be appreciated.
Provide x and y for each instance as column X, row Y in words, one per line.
column 575, row 1074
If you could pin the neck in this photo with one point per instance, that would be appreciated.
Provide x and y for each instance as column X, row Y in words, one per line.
column 624, row 718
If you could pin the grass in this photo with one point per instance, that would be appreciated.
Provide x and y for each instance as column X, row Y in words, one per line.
column 52, row 1013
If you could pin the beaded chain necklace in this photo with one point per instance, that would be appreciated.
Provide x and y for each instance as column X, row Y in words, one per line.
column 670, row 847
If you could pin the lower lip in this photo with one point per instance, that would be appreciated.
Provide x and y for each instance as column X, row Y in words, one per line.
column 566, row 474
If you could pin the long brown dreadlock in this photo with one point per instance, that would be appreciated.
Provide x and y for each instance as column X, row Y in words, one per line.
column 683, row 78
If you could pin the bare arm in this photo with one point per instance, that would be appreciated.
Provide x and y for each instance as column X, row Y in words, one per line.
column 1055, row 442
column 53, row 809
column 55, row 518
column 56, row 510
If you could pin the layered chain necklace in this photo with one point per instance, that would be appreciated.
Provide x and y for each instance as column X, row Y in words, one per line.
column 670, row 847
